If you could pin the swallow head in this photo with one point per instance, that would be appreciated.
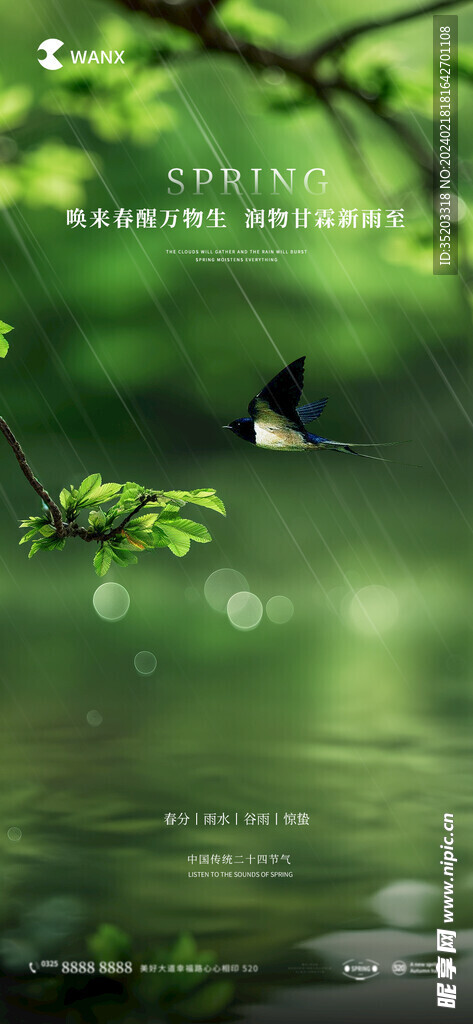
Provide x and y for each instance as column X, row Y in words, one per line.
column 243, row 427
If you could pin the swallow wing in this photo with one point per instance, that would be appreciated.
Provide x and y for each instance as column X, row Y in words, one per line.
column 307, row 413
column 279, row 398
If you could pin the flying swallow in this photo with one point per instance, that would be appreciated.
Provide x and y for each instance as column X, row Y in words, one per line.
column 277, row 422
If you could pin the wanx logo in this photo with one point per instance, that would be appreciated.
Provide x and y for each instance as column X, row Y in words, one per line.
column 51, row 63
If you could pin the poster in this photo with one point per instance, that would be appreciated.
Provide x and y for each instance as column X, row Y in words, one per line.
column 236, row 706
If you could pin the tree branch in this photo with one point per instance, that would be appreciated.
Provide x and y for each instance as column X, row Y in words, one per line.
column 350, row 141
column 339, row 40
column 424, row 159
column 64, row 530
column 194, row 17
column 118, row 529
column 28, row 472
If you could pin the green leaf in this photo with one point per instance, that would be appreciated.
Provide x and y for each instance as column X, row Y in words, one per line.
column 28, row 536
column 36, row 521
column 159, row 539
column 104, row 493
column 93, row 492
column 89, row 484
column 34, row 548
column 47, row 544
column 103, row 560
column 146, row 522
column 122, row 556
column 135, row 538
column 196, row 531
column 206, row 497
column 112, row 513
column 4, row 345
column 67, row 499
column 177, row 542
column 53, row 543
column 131, row 494
column 34, row 525
column 174, row 505
column 97, row 519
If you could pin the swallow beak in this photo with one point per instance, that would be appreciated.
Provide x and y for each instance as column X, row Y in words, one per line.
column 226, row 426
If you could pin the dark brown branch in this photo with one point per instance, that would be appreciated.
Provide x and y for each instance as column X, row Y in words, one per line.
column 349, row 141
column 117, row 530
column 421, row 156
column 214, row 39
column 194, row 17
column 191, row 15
column 35, row 484
column 339, row 40
column 201, row 10
column 64, row 530
column 74, row 530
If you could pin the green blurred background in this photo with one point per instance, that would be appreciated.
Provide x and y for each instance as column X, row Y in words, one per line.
column 127, row 361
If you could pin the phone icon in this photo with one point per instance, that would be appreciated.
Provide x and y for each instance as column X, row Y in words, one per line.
column 32, row 968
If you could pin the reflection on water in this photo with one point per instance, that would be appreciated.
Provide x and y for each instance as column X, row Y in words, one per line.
column 365, row 731
column 407, row 903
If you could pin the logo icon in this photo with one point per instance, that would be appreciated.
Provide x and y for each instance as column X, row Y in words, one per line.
column 360, row 970
column 399, row 967
column 50, row 62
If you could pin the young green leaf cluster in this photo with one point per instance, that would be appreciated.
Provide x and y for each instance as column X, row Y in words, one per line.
column 120, row 531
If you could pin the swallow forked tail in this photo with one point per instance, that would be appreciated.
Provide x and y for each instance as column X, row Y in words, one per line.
column 340, row 446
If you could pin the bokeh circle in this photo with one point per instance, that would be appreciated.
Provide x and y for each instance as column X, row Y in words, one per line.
column 94, row 718
column 111, row 601
column 220, row 586
column 373, row 610
column 244, row 610
column 279, row 609
column 145, row 663
column 14, row 834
